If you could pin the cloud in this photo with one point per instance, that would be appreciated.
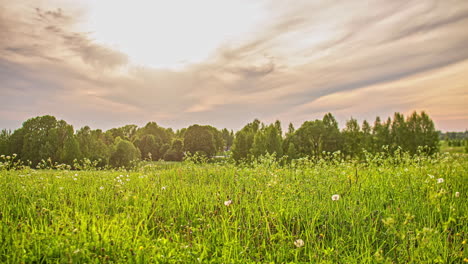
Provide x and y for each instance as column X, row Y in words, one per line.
column 353, row 58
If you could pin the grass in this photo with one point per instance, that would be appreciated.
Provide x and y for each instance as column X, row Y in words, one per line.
column 390, row 210
column 444, row 147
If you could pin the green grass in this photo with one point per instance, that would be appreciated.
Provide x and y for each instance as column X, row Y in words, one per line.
column 390, row 211
column 444, row 147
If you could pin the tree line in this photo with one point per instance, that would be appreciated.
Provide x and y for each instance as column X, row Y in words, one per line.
column 45, row 137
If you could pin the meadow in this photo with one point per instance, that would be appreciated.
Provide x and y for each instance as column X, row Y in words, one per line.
column 400, row 209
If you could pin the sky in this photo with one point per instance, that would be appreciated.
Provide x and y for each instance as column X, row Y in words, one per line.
column 110, row 63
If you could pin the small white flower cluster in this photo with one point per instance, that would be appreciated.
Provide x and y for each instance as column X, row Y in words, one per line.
column 119, row 179
column 335, row 197
column 228, row 202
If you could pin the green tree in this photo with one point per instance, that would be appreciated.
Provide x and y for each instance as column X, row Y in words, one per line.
column 243, row 141
column 149, row 146
column 124, row 153
column 201, row 139
column 5, row 136
column 176, row 152
column 71, row 150
column 352, row 138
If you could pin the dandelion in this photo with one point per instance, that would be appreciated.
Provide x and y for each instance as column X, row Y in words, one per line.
column 335, row 197
column 440, row 180
column 457, row 194
column 228, row 202
column 2, row 156
column 8, row 157
column 299, row 243
column 101, row 188
column 75, row 179
column 163, row 188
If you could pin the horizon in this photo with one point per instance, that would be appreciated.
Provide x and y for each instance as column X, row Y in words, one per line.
column 107, row 64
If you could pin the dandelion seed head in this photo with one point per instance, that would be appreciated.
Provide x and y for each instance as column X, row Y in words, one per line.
column 457, row 194
column 440, row 180
column 299, row 243
column 163, row 188
column 101, row 188
column 335, row 197
column 228, row 202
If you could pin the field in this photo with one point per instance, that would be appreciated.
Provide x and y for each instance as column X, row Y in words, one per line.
column 387, row 210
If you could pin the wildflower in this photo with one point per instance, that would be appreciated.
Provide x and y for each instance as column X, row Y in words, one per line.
column 440, row 180
column 465, row 260
column 8, row 157
column 463, row 242
column 2, row 156
column 163, row 188
column 140, row 248
column 335, row 197
column 299, row 243
column 76, row 175
column 457, row 194
column 101, row 188
column 228, row 202
column 60, row 188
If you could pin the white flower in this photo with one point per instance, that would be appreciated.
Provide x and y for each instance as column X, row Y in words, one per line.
column 228, row 202
column 299, row 243
column 440, row 180
column 457, row 194
column 75, row 179
column 335, row 197
column 163, row 188
column 431, row 176
column 76, row 175
column 60, row 188
column 101, row 188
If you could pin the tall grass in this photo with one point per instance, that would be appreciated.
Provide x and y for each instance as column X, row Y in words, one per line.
column 390, row 210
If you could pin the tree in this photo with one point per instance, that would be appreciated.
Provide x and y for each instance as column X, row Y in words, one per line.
column 430, row 135
column 228, row 138
column 124, row 153
column 71, row 150
column 331, row 136
column 200, row 139
column 242, row 145
column 176, row 152
column 399, row 132
column 292, row 152
column 366, row 136
column 352, row 138
column 149, row 146
column 93, row 145
column 5, row 136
